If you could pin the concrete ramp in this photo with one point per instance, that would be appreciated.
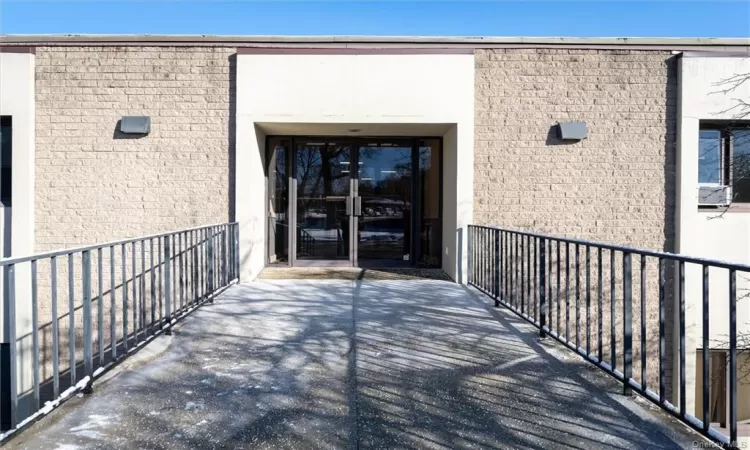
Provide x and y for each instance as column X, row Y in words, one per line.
column 355, row 364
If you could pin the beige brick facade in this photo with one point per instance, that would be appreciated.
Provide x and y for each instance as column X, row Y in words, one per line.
column 617, row 186
column 93, row 185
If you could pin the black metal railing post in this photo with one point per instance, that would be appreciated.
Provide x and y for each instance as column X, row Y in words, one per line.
column 542, row 288
column 662, row 334
column 211, row 263
column 733, row 358
column 683, row 374
column 8, row 371
column 705, row 353
column 88, row 364
column 627, row 322
column 496, row 273
column 168, row 286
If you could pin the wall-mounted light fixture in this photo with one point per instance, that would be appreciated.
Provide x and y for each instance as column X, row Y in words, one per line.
column 135, row 125
column 572, row 131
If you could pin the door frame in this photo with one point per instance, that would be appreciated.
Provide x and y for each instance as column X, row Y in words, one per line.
column 355, row 142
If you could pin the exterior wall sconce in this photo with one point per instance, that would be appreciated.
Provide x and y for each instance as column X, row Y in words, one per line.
column 135, row 125
column 572, row 131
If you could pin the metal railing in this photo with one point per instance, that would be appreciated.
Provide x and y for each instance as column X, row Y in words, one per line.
column 552, row 281
column 116, row 297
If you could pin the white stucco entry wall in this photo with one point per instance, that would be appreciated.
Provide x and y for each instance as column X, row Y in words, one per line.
column 381, row 94
column 702, row 233
column 17, row 100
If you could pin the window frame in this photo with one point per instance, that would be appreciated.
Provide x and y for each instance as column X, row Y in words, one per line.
column 725, row 129
column 6, row 167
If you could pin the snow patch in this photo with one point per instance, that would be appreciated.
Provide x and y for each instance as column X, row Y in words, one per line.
column 90, row 429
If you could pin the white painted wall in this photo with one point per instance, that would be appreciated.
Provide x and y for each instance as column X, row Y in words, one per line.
column 700, row 233
column 17, row 100
column 382, row 92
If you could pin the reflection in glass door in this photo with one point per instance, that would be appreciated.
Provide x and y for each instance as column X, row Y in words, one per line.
column 384, row 207
column 323, row 174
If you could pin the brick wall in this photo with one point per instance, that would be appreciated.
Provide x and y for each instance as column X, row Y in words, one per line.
column 617, row 186
column 93, row 186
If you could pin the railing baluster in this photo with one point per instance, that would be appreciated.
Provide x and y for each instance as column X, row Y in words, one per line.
column 143, row 289
column 507, row 266
column 201, row 265
column 211, row 264
column 100, row 305
column 237, row 248
column 190, row 298
column 733, row 357
column 542, row 288
column 112, row 303
column 612, row 312
column 644, row 383
column 627, row 322
column 535, row 284
column 662, row 337
column 124, row 252
column 134, row 285
column 194, row 265
column 705, row 353
column 180, row 248
column 160, row 277
column 167, row 286
column 529, row 298
column 224, row 280
column 578, row 297
column 588, row 300
column 599, row 304
column 683, row 375
column 549, row 283
column 558, row 285
column 8, row 358
column 153, row 286
column 470, row 248
column 71, row 323
column 524, row 274
column 567, row 292
column 35, row 335
column 88, row 363
column 498, row 262
column 55, row 329
column 472, row 254
column 480, row 266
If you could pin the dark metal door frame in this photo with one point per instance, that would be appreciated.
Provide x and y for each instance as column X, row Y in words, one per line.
column 355, row 143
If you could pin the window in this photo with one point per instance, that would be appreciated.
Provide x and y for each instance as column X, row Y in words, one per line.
column 6, row 145
column 724, row 158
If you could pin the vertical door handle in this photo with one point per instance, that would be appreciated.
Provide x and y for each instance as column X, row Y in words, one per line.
column 348, row 205
column 358, row 206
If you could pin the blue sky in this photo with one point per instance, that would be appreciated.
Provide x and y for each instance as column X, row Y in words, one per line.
column 719, row 18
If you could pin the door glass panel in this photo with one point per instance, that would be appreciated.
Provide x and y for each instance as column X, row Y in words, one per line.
column 385, row 187
column 323, row 175
column 430, row 229
column 278, row 188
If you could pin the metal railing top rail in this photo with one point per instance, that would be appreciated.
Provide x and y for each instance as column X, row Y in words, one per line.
column 622, row 248
column 67, row 251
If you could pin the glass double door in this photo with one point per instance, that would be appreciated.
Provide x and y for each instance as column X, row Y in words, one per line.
column 353, row 202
